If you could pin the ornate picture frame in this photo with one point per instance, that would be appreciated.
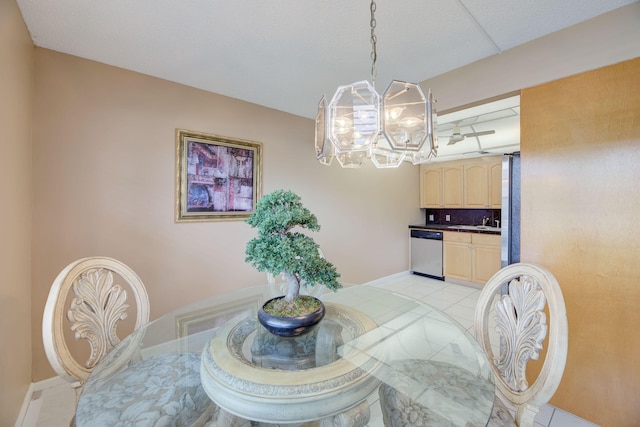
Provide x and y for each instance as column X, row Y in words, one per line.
column 218, row 178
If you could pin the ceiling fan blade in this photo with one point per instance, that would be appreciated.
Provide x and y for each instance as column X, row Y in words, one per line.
column 455, row 138
column 485, row 132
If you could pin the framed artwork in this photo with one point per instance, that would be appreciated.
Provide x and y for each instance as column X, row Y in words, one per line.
column 217, row 178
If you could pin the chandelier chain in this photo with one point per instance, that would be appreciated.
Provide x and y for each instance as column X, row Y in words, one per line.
column 374, row 39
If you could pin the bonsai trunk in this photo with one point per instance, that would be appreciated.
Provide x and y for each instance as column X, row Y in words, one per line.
column 293, row 290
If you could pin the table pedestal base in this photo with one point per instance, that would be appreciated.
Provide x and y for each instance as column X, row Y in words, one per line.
column 243, row 372
column 357, row 416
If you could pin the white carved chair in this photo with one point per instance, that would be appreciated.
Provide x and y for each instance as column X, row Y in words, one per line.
column 521, row 323
column 517, row 295
column 99, row 302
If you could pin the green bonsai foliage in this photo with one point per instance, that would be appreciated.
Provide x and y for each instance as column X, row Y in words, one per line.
column 277, row 249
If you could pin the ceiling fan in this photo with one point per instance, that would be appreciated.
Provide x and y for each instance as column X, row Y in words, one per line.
column 457, row 136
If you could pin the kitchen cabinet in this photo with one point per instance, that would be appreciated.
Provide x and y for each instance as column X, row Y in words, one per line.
column 452, row 186
column 431, row 188
column 474, row 184
column 476, row 188
column 485, row 256
column 456, row 248
column 441, row 187
column 483, row 183
column 495, row 183
column 471, row 257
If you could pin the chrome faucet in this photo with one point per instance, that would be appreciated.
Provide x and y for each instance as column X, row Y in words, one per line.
column 485, row 220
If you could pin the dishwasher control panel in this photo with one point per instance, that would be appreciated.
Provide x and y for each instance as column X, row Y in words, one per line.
column 426, row 234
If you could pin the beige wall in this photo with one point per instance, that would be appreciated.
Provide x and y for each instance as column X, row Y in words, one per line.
column 16, row 94
column 580, row 203
column 104, row 156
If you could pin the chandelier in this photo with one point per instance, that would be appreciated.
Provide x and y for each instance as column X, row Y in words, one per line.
column 358, row 124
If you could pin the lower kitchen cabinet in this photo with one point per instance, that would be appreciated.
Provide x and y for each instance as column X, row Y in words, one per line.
column 457, row 255
column 472, row 257
column 486, row 257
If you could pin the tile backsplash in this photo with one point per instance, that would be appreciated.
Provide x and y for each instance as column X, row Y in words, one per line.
column 461, row 216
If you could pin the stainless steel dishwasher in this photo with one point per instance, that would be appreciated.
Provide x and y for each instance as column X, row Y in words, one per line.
column 426, row 253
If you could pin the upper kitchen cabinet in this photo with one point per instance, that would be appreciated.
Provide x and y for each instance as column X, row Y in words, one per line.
column 467, row 172
column 495, row 184
column 474, row 183
column 483, row 183
column 452, row 186
column 441, row 186
column 430, row 187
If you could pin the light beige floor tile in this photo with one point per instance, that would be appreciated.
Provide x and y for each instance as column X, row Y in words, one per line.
column 562, row 418
column 545, row 414
column 58, row 404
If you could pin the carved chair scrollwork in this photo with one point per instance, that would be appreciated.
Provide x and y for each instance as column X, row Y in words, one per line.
column 516, row 297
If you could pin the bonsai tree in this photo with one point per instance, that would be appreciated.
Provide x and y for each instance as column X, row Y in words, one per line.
column 277, row 249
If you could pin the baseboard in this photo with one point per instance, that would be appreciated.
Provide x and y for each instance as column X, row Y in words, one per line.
column 463, row 283
column 30, row 409
column 25, row 406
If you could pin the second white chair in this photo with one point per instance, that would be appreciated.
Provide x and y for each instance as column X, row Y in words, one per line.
column 518, row 295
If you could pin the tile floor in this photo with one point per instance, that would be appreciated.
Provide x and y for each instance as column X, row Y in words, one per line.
column 52, row 406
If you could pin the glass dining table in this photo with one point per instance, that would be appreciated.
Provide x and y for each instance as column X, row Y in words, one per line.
column 230, row 371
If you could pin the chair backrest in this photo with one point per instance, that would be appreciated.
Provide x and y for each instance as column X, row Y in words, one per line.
column 518, row 293
column 98, row 304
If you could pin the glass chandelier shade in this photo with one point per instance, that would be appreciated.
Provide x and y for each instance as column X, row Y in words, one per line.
column 405, row 116
column 429, row 148
column 358, row 124
column 383, row 155
column 354, row 117
column 325, row 151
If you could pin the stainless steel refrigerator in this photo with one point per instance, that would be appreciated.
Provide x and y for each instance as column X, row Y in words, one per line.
column 510, row 233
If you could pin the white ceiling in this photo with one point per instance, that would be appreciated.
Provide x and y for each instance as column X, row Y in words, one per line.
column 285, row 54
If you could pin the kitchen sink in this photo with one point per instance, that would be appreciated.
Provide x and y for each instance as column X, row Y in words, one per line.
column 474, row 227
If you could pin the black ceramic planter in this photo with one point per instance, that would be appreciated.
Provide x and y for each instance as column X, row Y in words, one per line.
column 290, row 326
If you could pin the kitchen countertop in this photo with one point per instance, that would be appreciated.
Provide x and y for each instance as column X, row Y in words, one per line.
column 455, row 228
